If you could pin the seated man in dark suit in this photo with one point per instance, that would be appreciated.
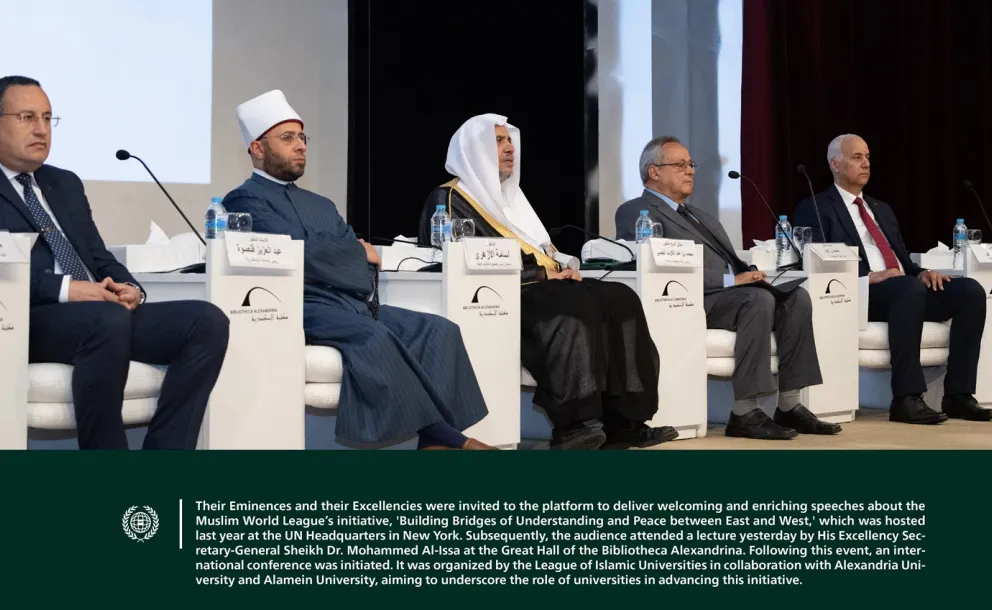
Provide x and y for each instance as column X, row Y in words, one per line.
column 753, row 312
column 900, row 292
column 86, row 308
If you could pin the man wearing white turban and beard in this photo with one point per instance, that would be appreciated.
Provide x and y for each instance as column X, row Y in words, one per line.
column 585, row 342
column 404, row 372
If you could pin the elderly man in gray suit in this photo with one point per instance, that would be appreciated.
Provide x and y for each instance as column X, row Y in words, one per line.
column 738, row 299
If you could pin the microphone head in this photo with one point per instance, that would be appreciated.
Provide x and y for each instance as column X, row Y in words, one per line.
column 733, row 175
column 123, row 155
column 801, row 168
column 967, row 184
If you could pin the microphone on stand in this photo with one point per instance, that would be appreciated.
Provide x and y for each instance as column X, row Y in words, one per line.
column 797, row 265
column 802, row 170
column 618, row 266
column 123, row 155
column 981, row 206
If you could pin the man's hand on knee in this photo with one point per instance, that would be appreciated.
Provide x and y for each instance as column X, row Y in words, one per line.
column 880, row 276
column 92, row 291
column 933, row 280
column 748, row 277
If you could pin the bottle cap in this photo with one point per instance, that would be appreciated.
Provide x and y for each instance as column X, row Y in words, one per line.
column 216, row 199
column 440, row 206
column 644, row 212
column 961, row 221
column 783, row 217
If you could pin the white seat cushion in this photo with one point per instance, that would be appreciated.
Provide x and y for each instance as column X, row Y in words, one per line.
column 879, row 358
column 52, row 383
column 876, row 336
column 62, row 416
column 322, row 395
column 323, row 365
column 725, row 367
column 526, row 380
column 720, row 343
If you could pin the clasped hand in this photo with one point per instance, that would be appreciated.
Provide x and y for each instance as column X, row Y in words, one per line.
column 107, row 290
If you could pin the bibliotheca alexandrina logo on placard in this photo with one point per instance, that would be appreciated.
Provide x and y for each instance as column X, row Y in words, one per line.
column 140, row 525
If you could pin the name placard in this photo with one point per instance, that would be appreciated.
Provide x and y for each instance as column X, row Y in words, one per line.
column 982, row 253
column 259, row 250
column 834, row 252
column 489, row 254
column 673, row 252
column 9, row 252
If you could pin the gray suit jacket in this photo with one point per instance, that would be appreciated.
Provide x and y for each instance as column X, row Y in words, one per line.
column 676, row 227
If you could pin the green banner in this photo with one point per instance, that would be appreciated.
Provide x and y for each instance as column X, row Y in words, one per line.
column 490, row 528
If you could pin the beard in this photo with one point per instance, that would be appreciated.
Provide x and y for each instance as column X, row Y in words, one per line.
column 279, row 167
column 504, row 175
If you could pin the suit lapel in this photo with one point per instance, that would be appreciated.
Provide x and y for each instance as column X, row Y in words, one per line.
column 718, row 232
column 844, row 215
column 665, row 210
column 8, row 193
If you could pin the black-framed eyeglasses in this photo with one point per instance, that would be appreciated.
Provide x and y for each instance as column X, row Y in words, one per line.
column 288, row 138
column 31, row 118
column 680, row 165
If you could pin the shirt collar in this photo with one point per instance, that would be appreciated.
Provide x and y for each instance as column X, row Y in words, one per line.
column 268, row 177
column 11, row 174
column 847, row 196
column 671, row 202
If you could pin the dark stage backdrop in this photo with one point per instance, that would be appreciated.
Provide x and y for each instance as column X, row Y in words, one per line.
column 913, row 78
column 418, row 70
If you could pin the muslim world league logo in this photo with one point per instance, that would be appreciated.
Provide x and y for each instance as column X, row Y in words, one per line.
column 140, row 525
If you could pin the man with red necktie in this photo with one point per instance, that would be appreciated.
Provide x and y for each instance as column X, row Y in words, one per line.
column 900, row 292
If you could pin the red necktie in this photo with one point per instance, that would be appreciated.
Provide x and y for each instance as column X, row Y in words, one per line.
column 891, row 262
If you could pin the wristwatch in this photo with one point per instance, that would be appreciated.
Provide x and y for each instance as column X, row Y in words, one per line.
column 139, row 289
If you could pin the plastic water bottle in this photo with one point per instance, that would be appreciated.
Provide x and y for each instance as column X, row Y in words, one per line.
column 960, row 241
column 216, row 218
column 440, row 231
column 783, row 251
column 642, row 227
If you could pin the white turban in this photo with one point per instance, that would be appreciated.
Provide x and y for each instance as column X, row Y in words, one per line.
column 473, row 157
column 258, row 115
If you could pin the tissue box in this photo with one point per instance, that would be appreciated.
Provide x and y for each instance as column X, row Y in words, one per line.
column 149, row 259
column 763, row 259
column 937, row 260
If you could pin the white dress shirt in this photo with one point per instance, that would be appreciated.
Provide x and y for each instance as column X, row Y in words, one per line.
column 12, row 175
column 876, row 262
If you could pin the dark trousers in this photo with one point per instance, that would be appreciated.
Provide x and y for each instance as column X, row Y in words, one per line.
column 754, row 314
column 100, row 340
column 905, row 303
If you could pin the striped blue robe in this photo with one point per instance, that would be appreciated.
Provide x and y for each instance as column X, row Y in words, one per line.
column 401, row 373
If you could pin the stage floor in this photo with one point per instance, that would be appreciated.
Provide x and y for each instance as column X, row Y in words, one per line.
column 871, row 429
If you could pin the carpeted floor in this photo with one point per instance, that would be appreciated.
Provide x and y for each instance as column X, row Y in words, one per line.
column 870, row 430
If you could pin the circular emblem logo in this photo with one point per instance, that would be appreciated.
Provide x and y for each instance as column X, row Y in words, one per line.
column 140, row 525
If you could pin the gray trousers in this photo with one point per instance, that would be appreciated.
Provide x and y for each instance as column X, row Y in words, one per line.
column 754, row 313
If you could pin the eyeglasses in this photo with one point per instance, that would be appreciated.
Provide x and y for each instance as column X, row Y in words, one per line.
column 31, row 118
column 288, row 138
column 681, row 165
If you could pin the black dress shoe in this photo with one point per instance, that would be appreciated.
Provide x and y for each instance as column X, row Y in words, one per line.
column 964, row 406
column 637, row 435
column 584, row 435
column 803, row 421
column 912, row 409
column 758, row 425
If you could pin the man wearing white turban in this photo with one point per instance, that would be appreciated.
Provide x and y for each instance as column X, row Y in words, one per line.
column 585, row 342
column 404, row 372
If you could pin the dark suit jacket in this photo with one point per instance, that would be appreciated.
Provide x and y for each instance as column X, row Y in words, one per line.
column 838, row 227
column 676, row 227
column 65, row 196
